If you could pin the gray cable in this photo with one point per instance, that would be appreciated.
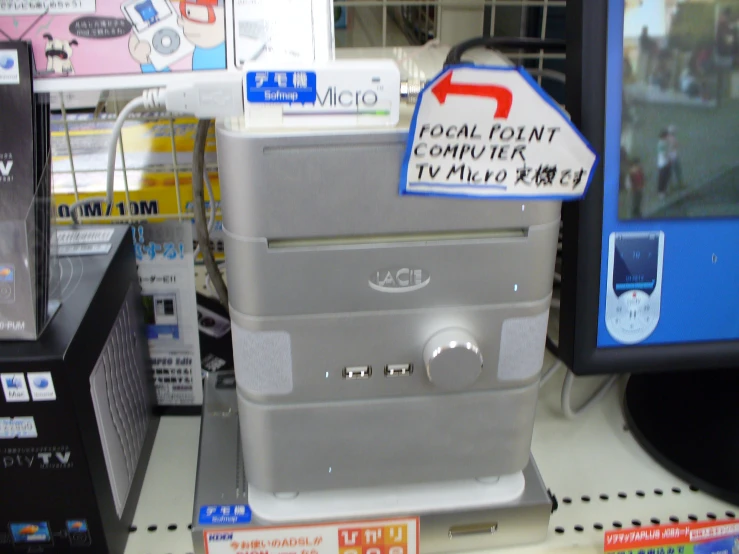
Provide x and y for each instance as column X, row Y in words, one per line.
column 212, row 216
column 549, row 373
column 198, row 201
column 547, row 74
column 567, row 409
column 566, row 396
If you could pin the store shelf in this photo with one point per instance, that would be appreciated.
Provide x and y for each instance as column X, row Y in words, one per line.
column 586, row 461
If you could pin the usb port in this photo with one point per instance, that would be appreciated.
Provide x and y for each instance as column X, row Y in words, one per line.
column 359, row 372
column 398, row 370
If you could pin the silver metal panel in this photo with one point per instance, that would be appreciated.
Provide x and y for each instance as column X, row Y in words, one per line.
column 220, row 481
column 322, row 346
column 343, row 278
column 330, row 269
column 328, row 183
column 366, row 443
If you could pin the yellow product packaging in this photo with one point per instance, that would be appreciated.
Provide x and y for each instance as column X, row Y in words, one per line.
column 153, row 179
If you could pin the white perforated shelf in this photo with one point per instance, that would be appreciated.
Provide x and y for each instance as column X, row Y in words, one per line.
column 590, row 461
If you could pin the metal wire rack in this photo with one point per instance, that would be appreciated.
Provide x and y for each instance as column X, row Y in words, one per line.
column 153, row 185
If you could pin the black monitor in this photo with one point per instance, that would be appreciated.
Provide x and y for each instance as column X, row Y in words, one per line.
column 650, row 258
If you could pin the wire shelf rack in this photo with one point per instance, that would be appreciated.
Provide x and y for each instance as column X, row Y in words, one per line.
column 152, row 185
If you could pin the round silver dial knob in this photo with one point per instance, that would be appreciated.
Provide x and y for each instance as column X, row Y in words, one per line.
column 453, row 359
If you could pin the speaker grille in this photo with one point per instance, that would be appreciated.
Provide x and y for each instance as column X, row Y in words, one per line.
column 522, row 347
column 263, row 361
column 118, row 389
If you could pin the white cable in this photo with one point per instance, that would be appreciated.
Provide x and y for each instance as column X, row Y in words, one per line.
column 549, row 373
column 557, row 365
column 567, row 409
column 433, row 43
column 212, row 215
column 152, row 98
column 566, row 396
column 209, row 283
column 220, row 96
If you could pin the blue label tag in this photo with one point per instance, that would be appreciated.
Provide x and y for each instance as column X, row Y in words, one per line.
column 281, row 87
column 224, row 515
column 153, row 332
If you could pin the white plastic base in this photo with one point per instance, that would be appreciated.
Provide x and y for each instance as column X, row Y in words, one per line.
column 386, row 501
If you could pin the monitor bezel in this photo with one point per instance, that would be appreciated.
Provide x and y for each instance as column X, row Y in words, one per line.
column 587, row 68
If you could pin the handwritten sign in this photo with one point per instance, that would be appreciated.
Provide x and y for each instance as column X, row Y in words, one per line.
column 492, row 132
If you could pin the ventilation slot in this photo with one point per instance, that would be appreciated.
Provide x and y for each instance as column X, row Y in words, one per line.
column 118, row 394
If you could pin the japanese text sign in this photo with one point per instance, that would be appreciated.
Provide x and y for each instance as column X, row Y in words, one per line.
column 281, row 87
column 393, row 536
column 492, row 132
column 705, row 537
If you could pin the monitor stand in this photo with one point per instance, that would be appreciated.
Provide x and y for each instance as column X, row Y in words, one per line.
column 689, row 423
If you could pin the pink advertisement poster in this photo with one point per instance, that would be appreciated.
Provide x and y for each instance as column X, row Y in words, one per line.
column 106, row 44
column 118, row 37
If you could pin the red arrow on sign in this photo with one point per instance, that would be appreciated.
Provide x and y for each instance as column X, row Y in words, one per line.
column 502, row 95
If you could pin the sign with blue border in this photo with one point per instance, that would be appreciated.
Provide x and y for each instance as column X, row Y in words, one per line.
column 281, row 87
column 224, row 515
column 493, row 132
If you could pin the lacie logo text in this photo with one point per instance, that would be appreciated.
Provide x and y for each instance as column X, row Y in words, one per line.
column 402, row 279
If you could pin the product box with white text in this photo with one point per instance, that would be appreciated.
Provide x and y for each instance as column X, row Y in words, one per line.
column 76, row 408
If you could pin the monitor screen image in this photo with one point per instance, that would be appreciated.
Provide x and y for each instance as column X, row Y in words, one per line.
column 31, row 533
column 146, row 13
column 650, row 257
column 670, row 237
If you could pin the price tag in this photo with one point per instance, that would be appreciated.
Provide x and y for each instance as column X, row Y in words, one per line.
column 392, row 536
column 700, row 537
column 224, row 515
column 281, row 87
column 18, row 427
column 344, row 93
column 492, row 132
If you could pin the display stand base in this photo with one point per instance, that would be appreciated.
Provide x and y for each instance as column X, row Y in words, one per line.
column 689, row 423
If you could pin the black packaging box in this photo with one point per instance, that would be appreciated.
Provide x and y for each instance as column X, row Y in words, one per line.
column 26, row 260
column 77, row 419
